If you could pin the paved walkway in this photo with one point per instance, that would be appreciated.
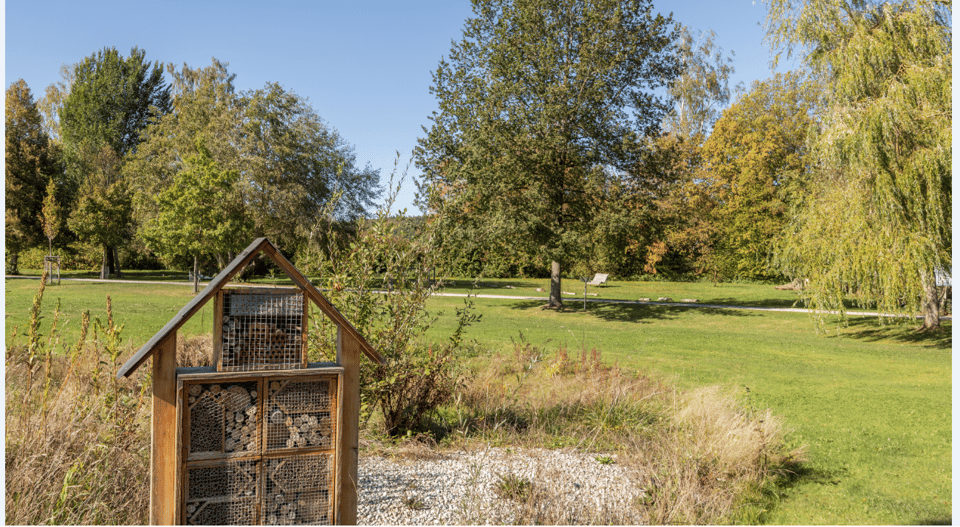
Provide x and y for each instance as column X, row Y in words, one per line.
column 520, row 297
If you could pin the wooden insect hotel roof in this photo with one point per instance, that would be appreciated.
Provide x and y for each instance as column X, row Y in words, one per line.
column 259, row 245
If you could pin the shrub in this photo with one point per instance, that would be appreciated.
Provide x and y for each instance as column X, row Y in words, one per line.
column 357, row 259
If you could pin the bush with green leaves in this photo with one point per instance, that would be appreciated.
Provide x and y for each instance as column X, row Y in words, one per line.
column 380, row 278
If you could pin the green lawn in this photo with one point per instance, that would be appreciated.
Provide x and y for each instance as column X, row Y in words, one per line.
column 143, row 308
column 871, row 403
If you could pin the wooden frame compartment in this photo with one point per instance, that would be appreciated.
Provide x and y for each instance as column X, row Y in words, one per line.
column 259, row 447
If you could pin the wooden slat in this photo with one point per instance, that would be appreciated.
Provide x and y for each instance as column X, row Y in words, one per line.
column 209, row 374
column 338, row 455
column 192, row 307
column 348, row 355
column 328, row 309
column 217, row 359
column 180, row 491
column 163, row 445
column 304, row 339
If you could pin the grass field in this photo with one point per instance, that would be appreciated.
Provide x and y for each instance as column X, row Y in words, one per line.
column 871, row 403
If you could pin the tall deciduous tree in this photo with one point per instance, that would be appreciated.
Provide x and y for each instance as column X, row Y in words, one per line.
column 702, row 89
column 878, row 222
column 754, row 162
column 681, row 232
column 28, row 166
column 539, row 102
column 102, row 215
column 111, row 100
column 51, row 104
column 289, row 161
column 199, row 213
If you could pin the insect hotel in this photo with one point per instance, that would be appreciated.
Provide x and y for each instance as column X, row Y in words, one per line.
column 262, row 436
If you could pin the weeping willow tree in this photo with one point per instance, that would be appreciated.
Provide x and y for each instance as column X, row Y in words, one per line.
column 875, row 223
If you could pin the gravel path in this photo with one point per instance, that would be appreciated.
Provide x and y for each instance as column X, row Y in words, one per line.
column 458, row 487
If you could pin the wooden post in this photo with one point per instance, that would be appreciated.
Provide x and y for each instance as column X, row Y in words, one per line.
column 217, row 357
column 348, row 356
column 163, row 445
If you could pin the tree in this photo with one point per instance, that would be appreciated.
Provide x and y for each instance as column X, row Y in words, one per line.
column 702, row 89
column 28, row 166
column 540, row 102
column 754, row 161
column 294, row 164
column 877, row 221
column 680, row 233
column 51, row 217
column 199, row 213
column 111, row 100
column 289, row 161
column 51, row 104
column 103, row 214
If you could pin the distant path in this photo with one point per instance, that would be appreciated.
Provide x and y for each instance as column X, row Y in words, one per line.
column 517, row 297
column 673, row 304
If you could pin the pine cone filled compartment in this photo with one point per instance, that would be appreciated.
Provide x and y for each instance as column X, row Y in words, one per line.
column 300, row 413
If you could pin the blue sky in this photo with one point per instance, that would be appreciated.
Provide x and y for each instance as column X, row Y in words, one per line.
column 364, row 66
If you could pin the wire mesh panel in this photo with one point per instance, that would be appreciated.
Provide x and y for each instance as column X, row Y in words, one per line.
column 300, row 413
column 224, row 418
column 297, row 490
column 223, row 494
column 261, row 329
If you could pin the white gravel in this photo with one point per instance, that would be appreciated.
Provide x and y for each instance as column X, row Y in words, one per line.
column 458, row 488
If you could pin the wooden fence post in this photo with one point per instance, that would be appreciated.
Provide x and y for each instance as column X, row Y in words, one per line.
column 163, row 444
column 348, row 356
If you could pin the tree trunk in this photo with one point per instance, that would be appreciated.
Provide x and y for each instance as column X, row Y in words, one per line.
column 196, row 274
column 556, row 299
column 104, row 263
column 931, row 306
column 116, row 261
column 14, row 261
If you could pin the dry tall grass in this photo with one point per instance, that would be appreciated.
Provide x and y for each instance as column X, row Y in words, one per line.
column 698, row 457
column 77, row 440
